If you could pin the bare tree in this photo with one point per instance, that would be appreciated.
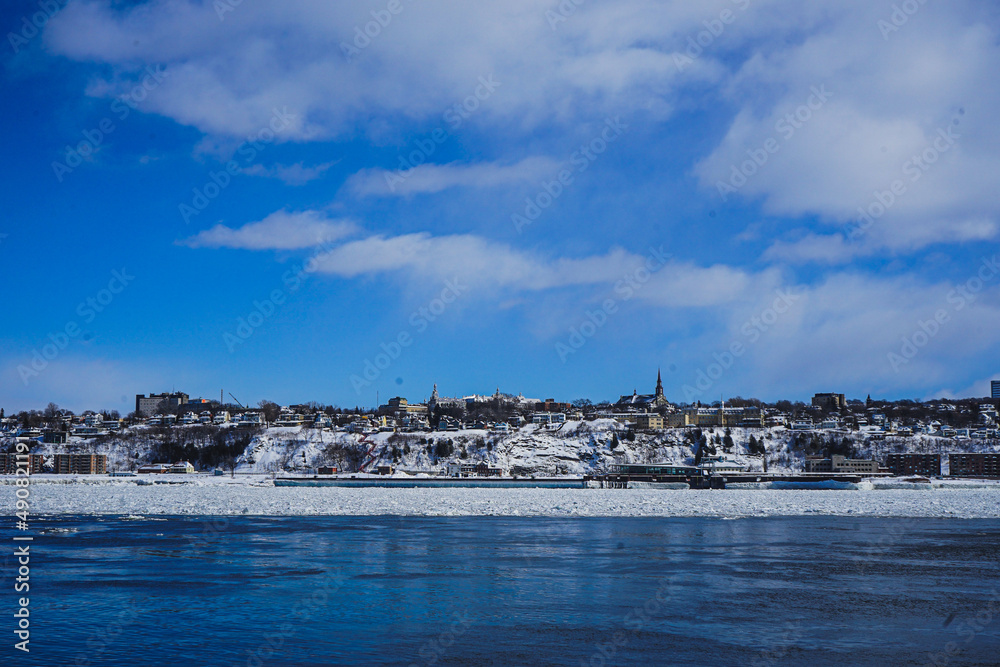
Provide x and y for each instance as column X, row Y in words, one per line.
column 270, row 409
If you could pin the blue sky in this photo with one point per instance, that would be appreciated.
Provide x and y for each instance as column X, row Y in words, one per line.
column 594, row 194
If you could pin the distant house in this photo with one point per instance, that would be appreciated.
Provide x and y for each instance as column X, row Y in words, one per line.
column 829, row 401
column 181, row 468
column 649, row 421
column 549, row 419
column 55, row 437
column 153, row 468
column 250, row 419
column 290, row 419
column 148, row 405
column 448, row 424
column 550, row 405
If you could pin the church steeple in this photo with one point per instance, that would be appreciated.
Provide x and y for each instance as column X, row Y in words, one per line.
column 659, row 384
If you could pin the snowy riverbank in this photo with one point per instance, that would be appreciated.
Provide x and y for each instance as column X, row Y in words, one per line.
column 255, row 497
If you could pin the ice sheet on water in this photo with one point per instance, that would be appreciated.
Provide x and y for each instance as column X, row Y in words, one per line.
column 222, row 499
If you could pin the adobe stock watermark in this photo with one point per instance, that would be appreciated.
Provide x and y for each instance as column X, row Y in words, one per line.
column 292, row 279
column 581, row 159
column 88, row 310
column 913, row 169
column 750, row 333
column 696, row 44
column 454, row 116
column 958, row 299
column 420, row 320
column 31, row 26
column 780, row 649
column 381, row 19
column 561, row 13
column 122, row 106
column 899, row 17
column 785, row 127
column 223, row 7
column 248, row 152
column 969, row 629
column 626, row 289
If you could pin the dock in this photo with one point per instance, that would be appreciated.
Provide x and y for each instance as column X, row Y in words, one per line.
column 695, row 480
column 434, row 482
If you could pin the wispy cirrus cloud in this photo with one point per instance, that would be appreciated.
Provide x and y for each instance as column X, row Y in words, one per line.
column 281, row 230
column 293, row 174
column 433, row 178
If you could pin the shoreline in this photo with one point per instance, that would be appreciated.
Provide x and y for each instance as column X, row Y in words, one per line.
column 255, row 500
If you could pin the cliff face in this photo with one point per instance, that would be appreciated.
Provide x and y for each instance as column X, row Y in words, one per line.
column 575, row 449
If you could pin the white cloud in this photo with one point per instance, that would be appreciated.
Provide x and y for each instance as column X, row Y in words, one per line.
column 914, row 109
column 842, row 331
column 431, row 178
column 492, row 266
column 226, row 76
column 821, row 248
column 281, row 230
column 293, row 174
column 654, row 277
column 891, row 93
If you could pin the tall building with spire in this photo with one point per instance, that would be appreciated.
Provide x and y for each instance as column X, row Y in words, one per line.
column 649, row 402
column 436, row 400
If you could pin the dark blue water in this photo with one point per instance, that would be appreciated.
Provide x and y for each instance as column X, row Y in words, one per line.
column 511, row 591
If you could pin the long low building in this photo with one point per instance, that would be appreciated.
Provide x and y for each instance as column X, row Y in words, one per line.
column 974, row 465
column 841, row 464
column 719, row 416
column 9, row 463
column 81, row 464
column 657, row 469
column 925, row 465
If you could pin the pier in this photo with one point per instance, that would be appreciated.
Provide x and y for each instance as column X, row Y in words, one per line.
column 696, row 479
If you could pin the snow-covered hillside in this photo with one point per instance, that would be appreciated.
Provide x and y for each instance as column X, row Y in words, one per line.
column 575, row 448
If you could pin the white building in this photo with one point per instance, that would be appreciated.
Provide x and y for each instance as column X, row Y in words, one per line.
column 720, row 465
